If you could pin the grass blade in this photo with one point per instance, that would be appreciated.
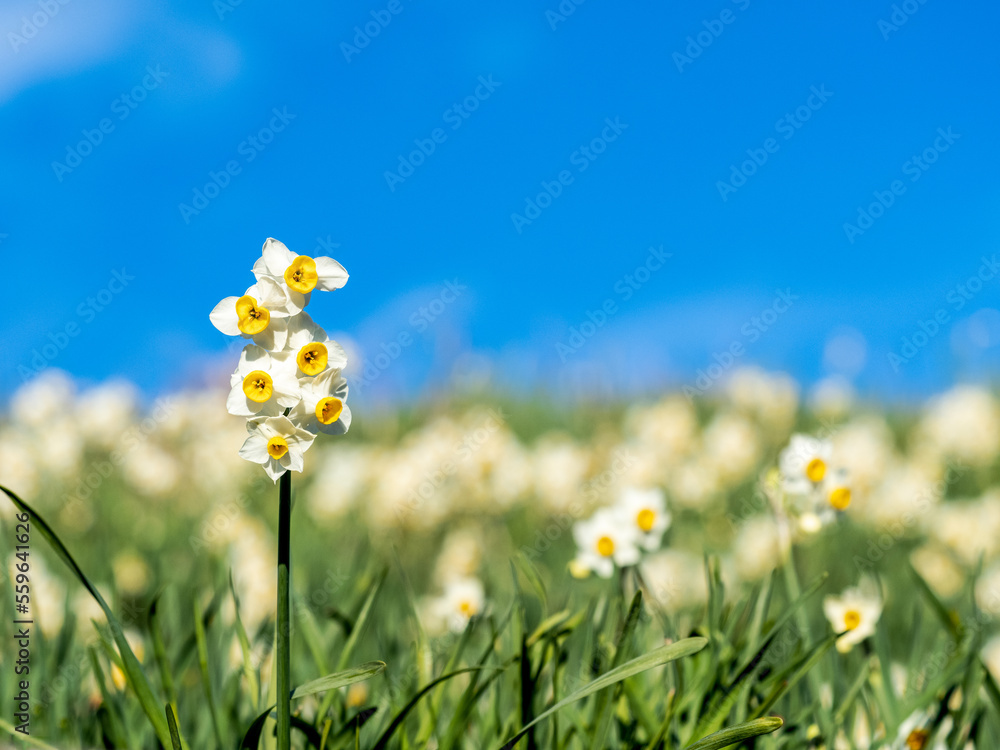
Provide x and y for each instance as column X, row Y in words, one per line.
column 654, row 658
column 133, row 670
column 733, row 735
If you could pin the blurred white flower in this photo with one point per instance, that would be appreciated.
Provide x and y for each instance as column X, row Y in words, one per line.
column 676, row 579
column 856, row 610
column 646, row 510
column 804, row 463
column 757, row 548
column 604, row 540
column 463, row 599
column 964, row 424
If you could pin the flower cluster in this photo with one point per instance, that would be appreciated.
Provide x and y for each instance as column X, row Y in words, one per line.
column 812, row 488
column 288, row 383
column 619, row 534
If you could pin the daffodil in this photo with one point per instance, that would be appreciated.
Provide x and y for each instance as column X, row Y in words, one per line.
column 262, row 384
column 646, row 510
column 300, row 274
column 323, row 406
column 604, row 540
column 313, row 350
column 854, row 613
column 259, row 314
column 804, row 462
column 463, row 599
column 277, row 444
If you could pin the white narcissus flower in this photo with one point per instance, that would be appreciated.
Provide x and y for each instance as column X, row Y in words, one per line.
column 646, row 509
column 277, row 444
column 462, row 600
column 259, row 314
column 605, row 540
column 299, row 273
column 323, row 407
column 262, row 384
column 804, row 462
column 855, row 611
column 313, row 351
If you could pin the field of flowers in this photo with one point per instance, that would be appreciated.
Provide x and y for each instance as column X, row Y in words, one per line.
column 668, row 569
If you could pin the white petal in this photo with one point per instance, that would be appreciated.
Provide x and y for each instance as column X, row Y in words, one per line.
column 238, row 404
column 339, row 427
column 252, row 358
column 224, row 317
column 255, row 449
column 276, row 257
column 274, row 469
column 332, row 275
column 336, row 356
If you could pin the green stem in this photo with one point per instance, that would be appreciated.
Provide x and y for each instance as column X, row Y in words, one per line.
column 284, row 623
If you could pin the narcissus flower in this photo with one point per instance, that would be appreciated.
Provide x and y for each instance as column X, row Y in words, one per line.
column 804, row 462
column 604, row 540
column 277, row 444
column 262, row 384
column 323, row 407
column 313, row 351
column 288, row 383
column 646, row 510
column 462, row 600
column 300, row 274
column 257, row 315
column 854, row 613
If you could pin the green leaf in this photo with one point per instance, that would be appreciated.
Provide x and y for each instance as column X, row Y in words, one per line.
column 330, row 682
column 133, row 670
column 25, row 738
column 733, row 735
column 175, row 736
column 206, row 676
column 654, row 658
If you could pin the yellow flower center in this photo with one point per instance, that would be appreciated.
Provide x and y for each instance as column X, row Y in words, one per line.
column 277, row 447
column 258, row 386
column 852, row 618
column 301, row 274
column 917, row 739
column 312, row 358
column 606, row 546
column 646, row 519
column 816, row 470
column 329, row 409
column 252, row 318
column 467, row 608
column 840, row 498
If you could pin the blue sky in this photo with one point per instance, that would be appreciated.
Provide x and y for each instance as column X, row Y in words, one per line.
column 810, row 113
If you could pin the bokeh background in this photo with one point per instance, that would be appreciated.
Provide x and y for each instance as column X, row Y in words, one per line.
column 184, row 89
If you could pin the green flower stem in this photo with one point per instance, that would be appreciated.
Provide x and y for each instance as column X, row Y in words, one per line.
column 284, row 623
